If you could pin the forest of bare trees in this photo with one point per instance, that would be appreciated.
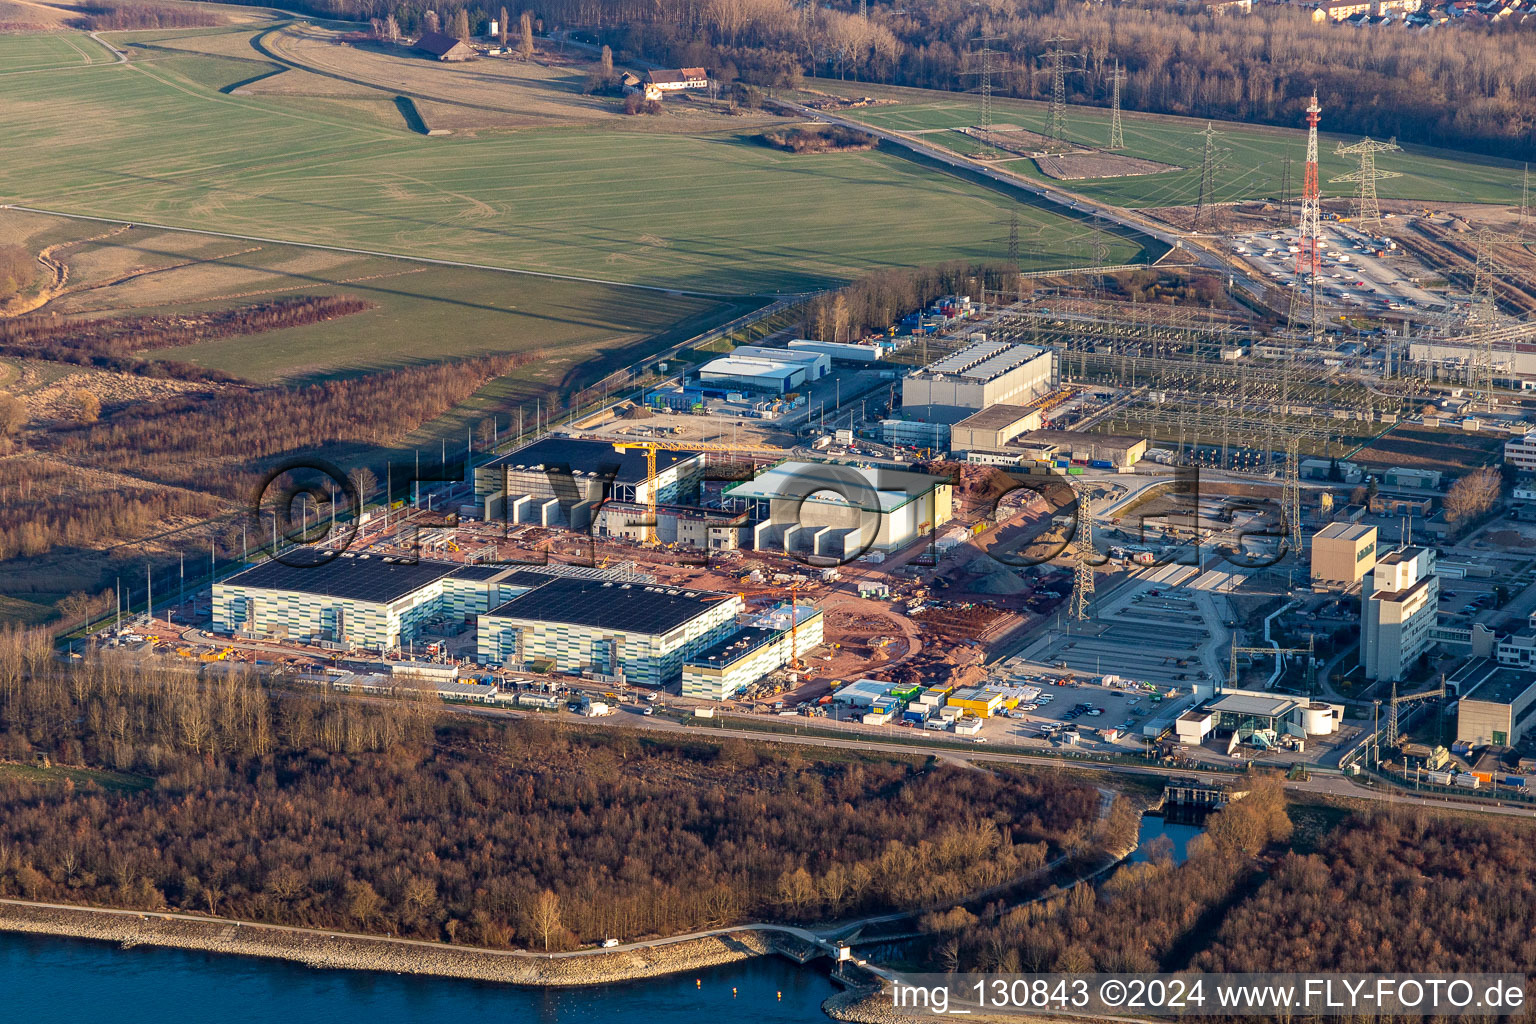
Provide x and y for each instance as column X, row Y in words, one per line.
column 101, row 16
column 314, row 810
column 216, row 442
column 1144, row 916
column 1411, row 891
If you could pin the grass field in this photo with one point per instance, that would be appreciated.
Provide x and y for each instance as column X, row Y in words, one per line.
column 24, row 53
column 156, row 140
column 1251, row 164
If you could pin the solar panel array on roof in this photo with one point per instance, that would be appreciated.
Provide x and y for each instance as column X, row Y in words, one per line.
column 350, row 577
column 605, row 604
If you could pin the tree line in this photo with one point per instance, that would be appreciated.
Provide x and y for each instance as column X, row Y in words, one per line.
column 111, row 343
column 103, row 17
column 302, row 808
column 875, row 301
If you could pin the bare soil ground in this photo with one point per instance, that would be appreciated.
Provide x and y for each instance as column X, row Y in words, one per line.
column 29, row 17
column 1074, row 166
column 1421, row 448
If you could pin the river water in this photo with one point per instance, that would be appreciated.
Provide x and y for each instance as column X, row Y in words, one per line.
column 54, row 979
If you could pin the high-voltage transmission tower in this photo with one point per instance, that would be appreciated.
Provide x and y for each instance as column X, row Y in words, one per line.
column 1290, row 493
column 983, row 71
column 1483, row 311
column 1056, row 120
column 1082, row 568
column 1367, row 210
column 1116, row 129
column 1309, row 237
column 1208, row 167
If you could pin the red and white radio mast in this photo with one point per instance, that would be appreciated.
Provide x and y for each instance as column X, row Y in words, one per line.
column 1308, row 259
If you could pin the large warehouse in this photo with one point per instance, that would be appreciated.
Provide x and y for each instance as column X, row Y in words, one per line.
column 982, row 374
column 638, row 632
column 558, row 481
column 840, row 511
column 992, row 428
column 364, row 601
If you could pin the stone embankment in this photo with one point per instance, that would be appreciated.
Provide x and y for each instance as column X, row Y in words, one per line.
column 335, row 950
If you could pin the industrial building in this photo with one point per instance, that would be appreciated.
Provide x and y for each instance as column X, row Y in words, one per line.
column 765, row 643
column 1342, row 554
column 634, row 632
column 1120, row 451
column 935, row 436
column 985, row 373
column 360, row 600
column 739, row 372
column 560, row 481
column 1496, row 705
column 841, row 511
column 687, row 526
column 1244, row 713
column 1399, row 606
column 992, row 428
column 841, row 352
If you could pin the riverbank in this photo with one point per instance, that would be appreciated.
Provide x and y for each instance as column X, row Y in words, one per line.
column 343, row 951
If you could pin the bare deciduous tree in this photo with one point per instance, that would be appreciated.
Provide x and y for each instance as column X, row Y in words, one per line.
column 1473, row 494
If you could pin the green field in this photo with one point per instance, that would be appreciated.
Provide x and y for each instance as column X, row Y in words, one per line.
column 40, row 52
column 1251, row 164
column 157, row 141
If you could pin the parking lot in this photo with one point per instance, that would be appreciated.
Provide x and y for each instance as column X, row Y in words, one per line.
column 1350, row 275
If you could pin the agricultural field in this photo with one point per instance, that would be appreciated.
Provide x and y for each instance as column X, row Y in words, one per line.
column 1251, row 164
column 20, row 54
column 714, row 211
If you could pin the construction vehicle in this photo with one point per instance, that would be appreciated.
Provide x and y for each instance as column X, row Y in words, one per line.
column 652, row 447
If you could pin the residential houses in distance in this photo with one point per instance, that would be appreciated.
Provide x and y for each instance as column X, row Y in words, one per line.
column 1418, row 14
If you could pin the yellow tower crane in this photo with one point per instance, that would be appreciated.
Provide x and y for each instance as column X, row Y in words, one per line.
column 652, row 447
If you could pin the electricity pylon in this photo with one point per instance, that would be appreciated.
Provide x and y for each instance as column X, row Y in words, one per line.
column 1367, row 210
column 1483, row 311
column 1309, row 240
column 1082, row 569
column 1290, row 493
column 984, row 75
column 1207, row 174
column 1116, row 129
column 1056, row 120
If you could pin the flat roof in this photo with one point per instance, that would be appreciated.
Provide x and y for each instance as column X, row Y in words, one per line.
column 1344, row 531
column 983, row 360
column 1397, row 555
column 1244, row 704
column 608, row 604
column 1113, row 442
column 752, row 366
column 590, row 456
column 994, row 417
column 1492, row 683
column 748, row 640
column 892, row 488
column 358, row 578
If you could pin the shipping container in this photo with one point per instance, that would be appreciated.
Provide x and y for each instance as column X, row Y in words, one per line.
column 1101, row 464
column 1438, row 778
column 1514, row 781
column 1074, row 470
column 1466, row 780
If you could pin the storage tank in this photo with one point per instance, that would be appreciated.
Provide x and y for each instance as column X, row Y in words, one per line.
column 1317, row 719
